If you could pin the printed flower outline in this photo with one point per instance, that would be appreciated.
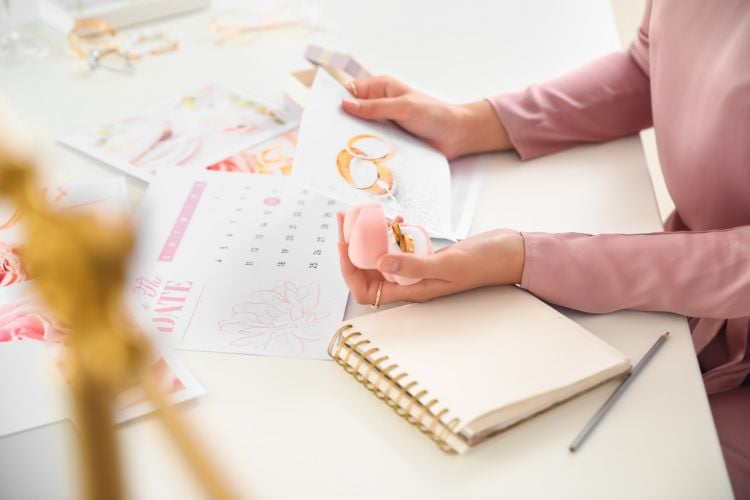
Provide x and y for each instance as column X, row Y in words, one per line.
column 275, row 320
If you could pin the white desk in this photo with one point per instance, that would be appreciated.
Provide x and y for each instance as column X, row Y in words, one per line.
column 285, row 428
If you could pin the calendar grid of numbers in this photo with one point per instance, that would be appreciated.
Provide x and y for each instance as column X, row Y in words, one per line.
column 238, row 263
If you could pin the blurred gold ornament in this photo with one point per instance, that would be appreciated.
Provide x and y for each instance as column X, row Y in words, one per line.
column 79, row 265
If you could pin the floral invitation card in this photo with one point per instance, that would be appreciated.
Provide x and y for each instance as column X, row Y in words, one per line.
column 271, row 157
column 24, row 320
column 358, row 161
column 195, row 131
column 238, row 263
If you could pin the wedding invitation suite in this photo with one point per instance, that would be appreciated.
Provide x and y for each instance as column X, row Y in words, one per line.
column 358, row 161
column 239, row 263
column 192, row 131
column 24, row 320
column 35, row 340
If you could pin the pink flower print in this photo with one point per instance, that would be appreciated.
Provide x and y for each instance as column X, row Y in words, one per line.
column 11, row 267
column 241, row 162
column 277, row 320
column 24, row 320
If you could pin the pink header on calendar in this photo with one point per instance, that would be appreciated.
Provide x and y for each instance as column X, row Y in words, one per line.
column 175, row 235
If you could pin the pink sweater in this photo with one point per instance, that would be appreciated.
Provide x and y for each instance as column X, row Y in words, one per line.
column 688, row 74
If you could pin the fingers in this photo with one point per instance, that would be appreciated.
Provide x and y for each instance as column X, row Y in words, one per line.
column 355, row 278
column 340, row 221
column 347, row 268
column 419, row 292
column 363, row 284
column 414, row 266
column 386, row 108
column 377, row 87
column 378, row 98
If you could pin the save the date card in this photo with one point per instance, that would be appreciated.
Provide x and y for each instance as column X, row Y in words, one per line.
column 239, row 263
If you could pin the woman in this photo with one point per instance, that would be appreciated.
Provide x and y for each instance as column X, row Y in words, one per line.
column 688, row 75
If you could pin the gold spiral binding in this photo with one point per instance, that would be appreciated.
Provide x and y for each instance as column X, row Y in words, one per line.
column 361, row 377
column 403, row 391
column 337, row 339
column 380, row 394
column 411, row 418
column 391, row 384
column 426, row 429
column 349, row 350
column 375, row 364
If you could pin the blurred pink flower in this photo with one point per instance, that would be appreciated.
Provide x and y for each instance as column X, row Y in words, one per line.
column 241, row 162
column 11, row 268
column 278, row 319
column 24, row 320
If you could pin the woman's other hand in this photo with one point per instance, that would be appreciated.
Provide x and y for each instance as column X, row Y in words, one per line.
column 455, row 130
column 491, row 258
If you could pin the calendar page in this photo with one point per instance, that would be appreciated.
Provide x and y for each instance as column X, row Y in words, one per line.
column 239, row 263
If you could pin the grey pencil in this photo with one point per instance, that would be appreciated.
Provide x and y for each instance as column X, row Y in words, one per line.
column 599, row 415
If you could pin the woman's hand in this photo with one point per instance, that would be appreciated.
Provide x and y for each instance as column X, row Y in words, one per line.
column 455, row 130
column 491, row 258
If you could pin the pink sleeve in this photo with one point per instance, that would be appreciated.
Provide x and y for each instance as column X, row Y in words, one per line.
column 606, row 99
column 699, row 274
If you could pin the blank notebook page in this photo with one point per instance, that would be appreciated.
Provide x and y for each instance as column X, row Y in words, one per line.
column 486, row 349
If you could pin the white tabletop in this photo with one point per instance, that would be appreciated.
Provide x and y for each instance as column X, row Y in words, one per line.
column 286, row 428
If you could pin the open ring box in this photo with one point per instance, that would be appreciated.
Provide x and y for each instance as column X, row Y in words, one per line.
column 370, row 236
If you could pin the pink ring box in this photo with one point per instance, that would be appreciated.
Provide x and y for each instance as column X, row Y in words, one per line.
column 369, row 236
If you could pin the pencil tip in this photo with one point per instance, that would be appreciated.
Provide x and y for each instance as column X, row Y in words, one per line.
column 572, row 449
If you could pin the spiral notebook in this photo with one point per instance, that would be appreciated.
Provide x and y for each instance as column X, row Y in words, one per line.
column 465, row 367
